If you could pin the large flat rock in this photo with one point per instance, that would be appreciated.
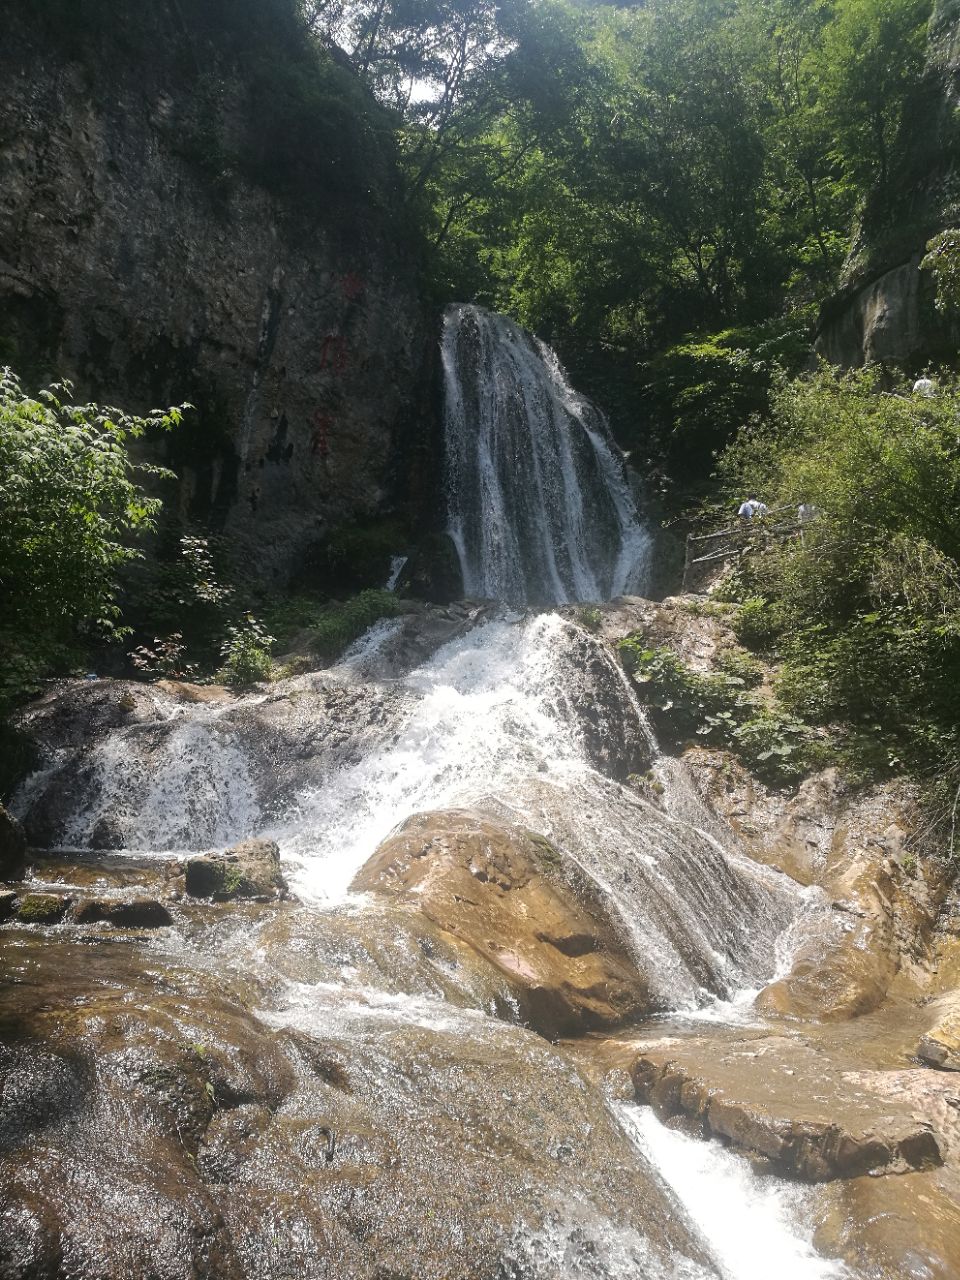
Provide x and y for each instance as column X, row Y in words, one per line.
column 811, row 1110
column 253, row 1128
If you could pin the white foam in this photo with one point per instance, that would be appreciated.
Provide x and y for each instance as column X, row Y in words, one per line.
column 755, row 1227
column 538, row 502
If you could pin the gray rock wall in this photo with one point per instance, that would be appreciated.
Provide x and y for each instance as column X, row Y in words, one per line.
column 136, row 261
column 887, row 320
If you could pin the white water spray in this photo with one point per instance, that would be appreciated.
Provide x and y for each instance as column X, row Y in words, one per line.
column 538, row 504
column 754, row 1226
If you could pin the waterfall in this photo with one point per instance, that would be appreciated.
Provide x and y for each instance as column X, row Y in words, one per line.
column 538, row 504
column 526, row 718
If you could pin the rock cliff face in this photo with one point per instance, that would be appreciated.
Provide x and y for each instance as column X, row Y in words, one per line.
column 173, row 226
column 884, row 311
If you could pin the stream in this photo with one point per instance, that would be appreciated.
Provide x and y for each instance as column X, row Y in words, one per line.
column 465, row 1145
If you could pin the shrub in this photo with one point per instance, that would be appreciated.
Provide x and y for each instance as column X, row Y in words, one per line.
column 737, row 663
column 164, row 658
column 589, row 617
column 705, row 387
column 777, row 747
column 865, row 606
column 341, row 624
column 755, row 624
column 696, row 702
column 943, row 262
column 185, row 591
column 717, row 708
column 71, row 508
column 246, row 653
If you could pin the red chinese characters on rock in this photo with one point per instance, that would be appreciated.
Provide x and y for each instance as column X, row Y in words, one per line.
column 334, row 353
column 351, row 286
column 320, row 440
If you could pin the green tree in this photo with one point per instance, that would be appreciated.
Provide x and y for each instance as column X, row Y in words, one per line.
column 871, row 64
column 943, row 262
column 71, row 508
column 807, row 187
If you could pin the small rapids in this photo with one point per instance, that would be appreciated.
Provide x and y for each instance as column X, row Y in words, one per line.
column 752, row 1224
column 527, row 719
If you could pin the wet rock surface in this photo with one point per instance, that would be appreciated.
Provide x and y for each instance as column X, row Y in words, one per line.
column 137, row 913
column 278, row 1087
column 250, row 869
column 857, row 847
column 939, row 1046
column 894, row 1228
column 807, row 1108
column 418, row 633
column 313, row 1135
column 507, row 894
column 112, row 755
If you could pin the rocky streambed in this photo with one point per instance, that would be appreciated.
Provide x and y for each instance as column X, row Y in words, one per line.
column 460, row 982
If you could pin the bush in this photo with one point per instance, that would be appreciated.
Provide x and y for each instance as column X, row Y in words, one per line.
column 185, row 594
column 755, row 624
column 716, row 708
column 246, row 654
column 340, row 624
column 589, row 617
column 71, row 508
column 943, row 262
column 777, row 747
column 865, row 607
column 737, row 663
column 698, row 703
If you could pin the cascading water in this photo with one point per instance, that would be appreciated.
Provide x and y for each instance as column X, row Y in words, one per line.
column 527, row 718
column 538, row 505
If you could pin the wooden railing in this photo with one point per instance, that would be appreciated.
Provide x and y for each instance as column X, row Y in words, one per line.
column 725, row 544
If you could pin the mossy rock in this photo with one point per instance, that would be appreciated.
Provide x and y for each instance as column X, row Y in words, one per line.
column 42, row 908
column 249, row 870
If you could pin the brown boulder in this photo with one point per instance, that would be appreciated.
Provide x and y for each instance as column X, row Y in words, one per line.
column 891, row 1228
column 136, row 913
column 508, row 895
column 250, row 869
column 461, row 1146
column 804, row 1108
column 838, row 975
column 13, row 846
column 940, row 1045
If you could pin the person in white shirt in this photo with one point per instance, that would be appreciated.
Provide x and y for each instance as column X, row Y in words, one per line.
column 751, row 509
